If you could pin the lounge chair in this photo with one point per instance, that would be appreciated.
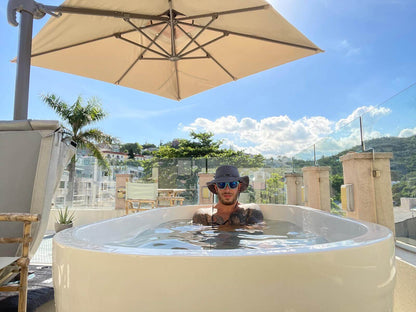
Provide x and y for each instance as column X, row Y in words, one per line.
column 140, row 193
column 33, row 155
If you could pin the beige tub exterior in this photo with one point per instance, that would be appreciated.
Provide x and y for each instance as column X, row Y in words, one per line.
column 356, row 273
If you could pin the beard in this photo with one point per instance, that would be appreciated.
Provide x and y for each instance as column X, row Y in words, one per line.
column 227, row 200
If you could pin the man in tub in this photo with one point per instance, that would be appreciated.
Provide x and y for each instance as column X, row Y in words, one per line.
column 228, row 185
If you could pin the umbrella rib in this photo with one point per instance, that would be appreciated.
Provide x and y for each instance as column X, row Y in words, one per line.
column 78, row 44
column 139, row 58
column 198, row 34
column 201, row 45
column 209, row 55
column 261, row 7
column 257, row 37
column 107, row 13
column 148, row 37
column 166, row 59
column 118, row 36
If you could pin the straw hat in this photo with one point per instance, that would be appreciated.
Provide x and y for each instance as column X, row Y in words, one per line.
column 228, row 174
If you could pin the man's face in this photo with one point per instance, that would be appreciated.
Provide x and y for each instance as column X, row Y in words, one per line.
column 227, row 196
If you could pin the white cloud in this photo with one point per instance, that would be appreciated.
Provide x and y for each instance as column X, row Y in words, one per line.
column 407, row 132
column 279, row 135
column 360, row 111
column 270, row 136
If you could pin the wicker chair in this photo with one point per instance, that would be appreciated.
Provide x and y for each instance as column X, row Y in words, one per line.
column 9, row 266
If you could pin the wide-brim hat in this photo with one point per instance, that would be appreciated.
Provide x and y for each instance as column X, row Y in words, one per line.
column 228, row 174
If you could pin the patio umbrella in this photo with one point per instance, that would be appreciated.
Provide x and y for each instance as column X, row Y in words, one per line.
column 171, row 48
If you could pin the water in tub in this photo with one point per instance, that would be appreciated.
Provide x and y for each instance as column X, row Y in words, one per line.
column 183, row 234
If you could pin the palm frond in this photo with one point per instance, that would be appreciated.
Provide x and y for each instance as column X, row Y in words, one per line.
column 60, row 107
column 94, row 151
column 98, row 136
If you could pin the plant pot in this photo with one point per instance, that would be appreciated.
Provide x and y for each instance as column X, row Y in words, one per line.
column 59, row 226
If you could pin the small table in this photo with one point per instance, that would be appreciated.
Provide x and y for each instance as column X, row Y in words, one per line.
column 171, row 195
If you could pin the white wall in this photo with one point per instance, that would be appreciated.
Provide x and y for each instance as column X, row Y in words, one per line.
column 86, row 216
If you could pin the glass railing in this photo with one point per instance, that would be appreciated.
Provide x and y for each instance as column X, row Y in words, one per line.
column 387, row 127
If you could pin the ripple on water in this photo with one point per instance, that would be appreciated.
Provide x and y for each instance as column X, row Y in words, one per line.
column 184, row 235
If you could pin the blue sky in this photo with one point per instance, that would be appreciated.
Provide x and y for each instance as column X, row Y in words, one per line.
column 370, row 50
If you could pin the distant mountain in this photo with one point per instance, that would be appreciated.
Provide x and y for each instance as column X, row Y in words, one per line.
column 403, row 164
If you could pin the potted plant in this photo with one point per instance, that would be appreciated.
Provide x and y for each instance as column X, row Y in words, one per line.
column 64, row 219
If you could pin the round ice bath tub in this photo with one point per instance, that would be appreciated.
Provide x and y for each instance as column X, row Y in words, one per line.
column 353, row 272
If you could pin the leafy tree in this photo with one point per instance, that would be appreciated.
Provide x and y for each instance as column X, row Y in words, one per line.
column 148, row 145
column 336, row 182
column 405, row 188
column 132, row 149
column 274, row 190
column 181, row 160
column 200, row 145
column 76, row 118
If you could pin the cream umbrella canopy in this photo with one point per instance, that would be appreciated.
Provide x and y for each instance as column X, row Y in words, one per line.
column 171, row 48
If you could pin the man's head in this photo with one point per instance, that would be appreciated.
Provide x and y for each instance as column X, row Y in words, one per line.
column 228, row 184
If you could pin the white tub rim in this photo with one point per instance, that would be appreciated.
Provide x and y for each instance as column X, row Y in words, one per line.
column 374, row 233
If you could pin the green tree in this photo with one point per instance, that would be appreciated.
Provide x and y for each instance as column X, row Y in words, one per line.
column 274, row 192
column 76, row 118
column 132, row 149
column 336, row 182
column 200, row 145
column 148, row 145
column 198, row 153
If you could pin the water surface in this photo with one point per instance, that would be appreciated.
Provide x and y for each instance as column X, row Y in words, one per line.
column 183, row 234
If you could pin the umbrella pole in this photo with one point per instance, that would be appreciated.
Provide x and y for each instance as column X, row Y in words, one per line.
column 28, row 10
column 21, row 96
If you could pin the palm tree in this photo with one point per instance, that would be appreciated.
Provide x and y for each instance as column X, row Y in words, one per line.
column 75, row 118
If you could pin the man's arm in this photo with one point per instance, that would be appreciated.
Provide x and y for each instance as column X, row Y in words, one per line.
column 203, row 216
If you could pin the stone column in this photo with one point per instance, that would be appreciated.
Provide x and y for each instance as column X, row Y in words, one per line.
column 369, row 174
column 204, row 194
column 121, row 180
column 294, row 183
column 316, row 187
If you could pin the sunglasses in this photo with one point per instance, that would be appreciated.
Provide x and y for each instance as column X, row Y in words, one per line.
column 231, row 185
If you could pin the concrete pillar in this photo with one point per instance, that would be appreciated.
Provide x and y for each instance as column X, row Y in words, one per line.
column 294, row 183
column 369, row 174
column 204, row 194
column 316, row 187
column 121, row 180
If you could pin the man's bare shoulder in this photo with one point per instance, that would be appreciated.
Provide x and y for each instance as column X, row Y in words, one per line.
column 203, row 216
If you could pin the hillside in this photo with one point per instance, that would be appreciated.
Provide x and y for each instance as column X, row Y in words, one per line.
column 403, row 164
